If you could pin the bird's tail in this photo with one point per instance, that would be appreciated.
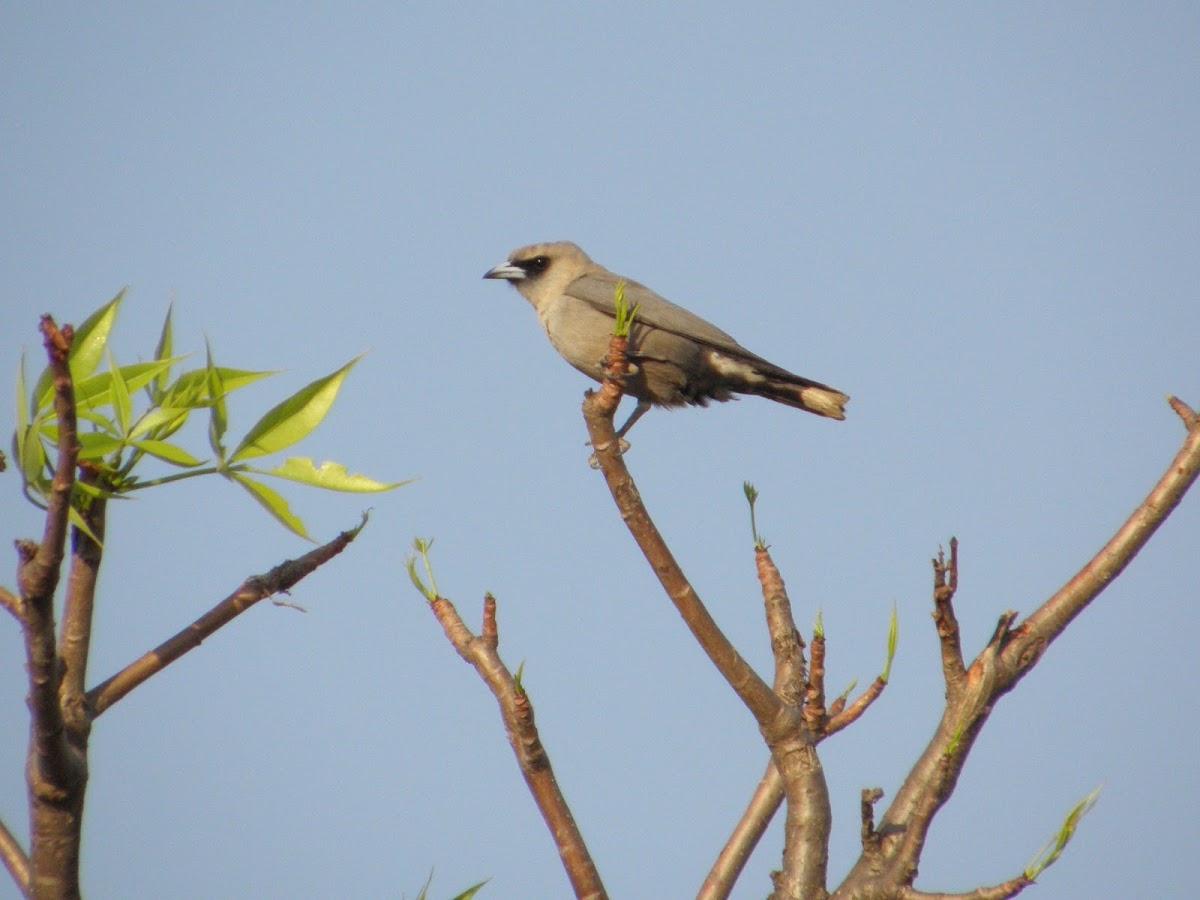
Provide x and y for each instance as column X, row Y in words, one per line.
column 810, row 396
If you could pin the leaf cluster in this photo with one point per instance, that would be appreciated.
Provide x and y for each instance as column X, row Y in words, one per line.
column 129, row 416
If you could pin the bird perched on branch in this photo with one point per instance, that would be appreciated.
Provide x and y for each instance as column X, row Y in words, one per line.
column 677, row 358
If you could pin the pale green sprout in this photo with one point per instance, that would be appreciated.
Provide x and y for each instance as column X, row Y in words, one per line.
column 1049, row 854
column 845, row 695
column 892, row 641
column 625, row 315
column 751, row 493
column 421, row 546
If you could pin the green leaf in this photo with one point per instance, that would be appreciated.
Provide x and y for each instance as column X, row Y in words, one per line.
column 272, row 502
column 161, row 423
column 217, row 420
column 191, row 388
column 294, row 418
column 99, row 493
column 96, row 445
column 77, row 520
column 103, row 423
column 31, row 456
column 122, row 405
column 87, row 349
column 470, row 892
column 166, row 343
column 892, row 640
column 331, row 476
column 1050, row 854
column 22, row 400
column 421, row 546
column 170, row 453
column 97, row 390
column 625, row 315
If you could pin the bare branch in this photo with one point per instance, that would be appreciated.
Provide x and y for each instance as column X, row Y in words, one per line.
column 945, row 585
column 598, row 409
column 809, row 819
column 517, row 712
column 1045, row 624
column 14, row 859
column 1191, row 420
column 787, row 646
column 10, row 602
column 1008, row 657
column 852, row 713
column 814, row 695
column 725, row 872
column 56, row 770
column 998, row 892
column 279, row 580
column 870, row 837
column 40, row 572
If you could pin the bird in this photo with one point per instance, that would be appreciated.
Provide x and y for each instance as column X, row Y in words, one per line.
column 677, row 358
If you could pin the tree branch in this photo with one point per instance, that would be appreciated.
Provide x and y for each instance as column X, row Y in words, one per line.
column 10, row 602
column 75, row 637
column 765, row 802
column 14, row 859
column 945, row 585
column 1044, row 625
column 849, row 715
column 809, row 819
column 56, row 770
column 517, row 712
column 279, row 580
column 598, row 409
column 998, row 892
column 40, row 572
column 787, row 646
column 1007, row 658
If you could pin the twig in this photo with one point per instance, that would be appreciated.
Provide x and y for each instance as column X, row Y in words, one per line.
column 517, row 712
column 870, row 837
column 15, row 859
column 1009, row 656
column 814, row 695
column 1045, row 624
column 765, row 802
column 76, row 631
column 598, row 409
column 279, row 580
column 40, row 572
column 10, row 602
column 1191, row 420
column 945, row 585
column 852, row 713
column 787, row 647
column 997, row 892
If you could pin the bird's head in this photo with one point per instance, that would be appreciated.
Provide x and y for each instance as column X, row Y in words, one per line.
column 542, row 271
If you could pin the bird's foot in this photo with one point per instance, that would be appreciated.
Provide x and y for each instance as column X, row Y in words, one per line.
column 631, row 368
column 622, row 446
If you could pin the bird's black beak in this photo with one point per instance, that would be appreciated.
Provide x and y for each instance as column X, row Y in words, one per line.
column 506, row 271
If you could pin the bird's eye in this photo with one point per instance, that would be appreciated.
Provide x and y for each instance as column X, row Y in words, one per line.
column 537, row 265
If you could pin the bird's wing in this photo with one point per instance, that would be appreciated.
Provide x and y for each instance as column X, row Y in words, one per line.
column 598, row 290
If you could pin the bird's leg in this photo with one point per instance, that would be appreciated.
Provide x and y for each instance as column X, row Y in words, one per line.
column 643, row 407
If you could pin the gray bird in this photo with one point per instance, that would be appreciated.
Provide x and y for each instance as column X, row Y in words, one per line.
column 677, row 357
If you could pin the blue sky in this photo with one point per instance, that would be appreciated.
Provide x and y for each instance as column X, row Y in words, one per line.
column 980, row 221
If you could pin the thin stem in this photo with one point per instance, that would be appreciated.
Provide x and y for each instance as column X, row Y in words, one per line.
column 280, row 579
